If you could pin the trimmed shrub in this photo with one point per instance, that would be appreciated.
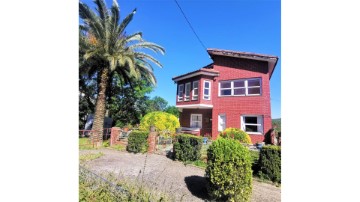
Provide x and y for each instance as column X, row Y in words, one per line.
column 228, row 172
column 270, row 163
column 237, row 134
column 137, row 141
column 164, row 122
column 187, row 147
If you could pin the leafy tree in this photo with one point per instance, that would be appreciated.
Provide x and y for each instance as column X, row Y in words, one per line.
column 105, row 51
column 157, row 104
column 128, row 105
column 172, row 110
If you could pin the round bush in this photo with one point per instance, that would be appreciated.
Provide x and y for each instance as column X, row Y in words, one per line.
column 164, row 122
column 236, row 134
column 228, row 171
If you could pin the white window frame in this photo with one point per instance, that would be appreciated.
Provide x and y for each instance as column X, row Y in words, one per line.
column 223, row 127
column 260, row 123
column 191, row 120
column 187, row 86
column 207, row 81
column 245, row 86
column 195, row 97
column 180, row 93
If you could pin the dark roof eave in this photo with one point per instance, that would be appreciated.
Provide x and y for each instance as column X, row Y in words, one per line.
column 193, row 74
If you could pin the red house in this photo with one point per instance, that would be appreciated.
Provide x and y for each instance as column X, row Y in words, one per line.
column 233, row 91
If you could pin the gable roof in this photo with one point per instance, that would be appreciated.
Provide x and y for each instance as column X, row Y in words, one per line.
column 272, row 60
column 207, row 70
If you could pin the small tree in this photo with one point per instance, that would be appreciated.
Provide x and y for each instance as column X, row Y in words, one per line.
column 163, row 122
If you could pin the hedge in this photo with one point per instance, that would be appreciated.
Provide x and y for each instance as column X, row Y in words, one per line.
column 228, row 172
column 187, row 147
column 163, row 122
column 270, row 163
column 237, row 134
column 137, row 142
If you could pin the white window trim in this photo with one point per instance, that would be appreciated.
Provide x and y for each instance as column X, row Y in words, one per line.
column 242, row 119
column 196, row 115
column 187, row 98
column 219, row 123
column 180, row 98
column 195, row 97
column 207, row 88
column 246, row 87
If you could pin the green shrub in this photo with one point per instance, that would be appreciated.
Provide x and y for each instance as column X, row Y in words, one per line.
column 187, row 147
column 137, row 141
column 228, row 171
column 237, row 134
column 164, row 122
column 270, row 163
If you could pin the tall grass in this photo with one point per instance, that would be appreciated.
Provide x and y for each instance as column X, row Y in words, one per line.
column 110, row 188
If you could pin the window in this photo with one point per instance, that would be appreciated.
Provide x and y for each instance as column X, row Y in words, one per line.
column 187, row 91
column 221, row 122
column 195, row 91
column 180, row 92
column 207, row 91
column 196, row 120
column 252, row 124
column 244, row 87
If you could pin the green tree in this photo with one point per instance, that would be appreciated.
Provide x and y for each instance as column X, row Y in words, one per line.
column 172, row 110
column 128, row 104
column 156, row 104
column 105, row 50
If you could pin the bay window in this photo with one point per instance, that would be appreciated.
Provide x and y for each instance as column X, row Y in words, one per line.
column 195, row 91
column 187, row 91
column 207, row 91
column 180, row 92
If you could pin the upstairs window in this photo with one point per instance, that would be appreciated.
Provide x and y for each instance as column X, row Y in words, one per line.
column 180, row 92
column 243, row 87
column 187, row 91
column 207, row 91
column 196, row 121
column 252, row 124
column 195, row 91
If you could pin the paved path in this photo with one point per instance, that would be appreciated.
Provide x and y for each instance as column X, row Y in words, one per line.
column 186, row 182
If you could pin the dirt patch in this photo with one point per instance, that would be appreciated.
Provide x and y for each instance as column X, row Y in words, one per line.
column 186, row 183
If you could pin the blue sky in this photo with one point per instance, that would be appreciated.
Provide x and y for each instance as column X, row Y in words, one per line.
column 250, row 26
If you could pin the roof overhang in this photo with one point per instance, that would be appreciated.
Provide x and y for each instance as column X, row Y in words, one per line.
column 182, row 77
column 195, row 106
column 272, row 60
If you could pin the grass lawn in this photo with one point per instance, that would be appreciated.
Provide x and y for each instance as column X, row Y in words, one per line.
column 89, row 157
column 85, row 144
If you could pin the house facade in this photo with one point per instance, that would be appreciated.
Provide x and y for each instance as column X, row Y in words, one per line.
column 233, row 91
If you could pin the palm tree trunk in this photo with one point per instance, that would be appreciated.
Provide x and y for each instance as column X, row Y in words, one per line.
column 100, row 109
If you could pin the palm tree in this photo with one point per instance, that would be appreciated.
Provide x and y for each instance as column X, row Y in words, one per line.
column 106, row 50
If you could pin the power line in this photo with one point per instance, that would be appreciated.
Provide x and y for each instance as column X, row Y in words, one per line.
column 190, row 25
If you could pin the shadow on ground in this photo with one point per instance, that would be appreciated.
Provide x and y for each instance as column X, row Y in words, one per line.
column 197, row 186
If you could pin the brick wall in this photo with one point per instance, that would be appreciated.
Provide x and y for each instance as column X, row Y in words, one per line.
column 235, row 106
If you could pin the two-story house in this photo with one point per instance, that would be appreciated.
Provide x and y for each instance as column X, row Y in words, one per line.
column 233, row 91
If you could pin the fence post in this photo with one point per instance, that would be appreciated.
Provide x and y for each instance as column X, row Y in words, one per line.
column 152, row 142
column 115, row 131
